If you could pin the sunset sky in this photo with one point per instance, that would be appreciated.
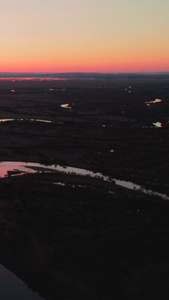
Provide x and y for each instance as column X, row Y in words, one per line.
column 84, row 35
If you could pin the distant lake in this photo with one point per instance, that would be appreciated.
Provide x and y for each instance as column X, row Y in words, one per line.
column 32, row 78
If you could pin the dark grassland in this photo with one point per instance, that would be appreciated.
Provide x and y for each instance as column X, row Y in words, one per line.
column 88, row 239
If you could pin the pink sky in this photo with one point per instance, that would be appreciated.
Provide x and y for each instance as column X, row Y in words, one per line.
column 70, row 36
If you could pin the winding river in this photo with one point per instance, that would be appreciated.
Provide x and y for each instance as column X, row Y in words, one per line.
column 11, row 168
column 11, row 287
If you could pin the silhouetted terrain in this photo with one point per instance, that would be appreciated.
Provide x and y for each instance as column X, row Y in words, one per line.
column 76, row 237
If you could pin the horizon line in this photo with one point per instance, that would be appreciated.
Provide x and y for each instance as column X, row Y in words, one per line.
column 81, row 72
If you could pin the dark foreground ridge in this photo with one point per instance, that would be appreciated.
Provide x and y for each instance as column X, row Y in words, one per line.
column 84, row 239
column 74, row 237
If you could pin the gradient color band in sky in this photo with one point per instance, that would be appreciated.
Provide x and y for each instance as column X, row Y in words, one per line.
column 97, row 35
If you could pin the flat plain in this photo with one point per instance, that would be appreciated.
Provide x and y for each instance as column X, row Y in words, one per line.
column 79, row 237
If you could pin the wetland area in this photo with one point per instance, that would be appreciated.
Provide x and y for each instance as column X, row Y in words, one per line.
column 84, row 210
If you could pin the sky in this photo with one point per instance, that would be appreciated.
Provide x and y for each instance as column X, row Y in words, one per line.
column 84, row 35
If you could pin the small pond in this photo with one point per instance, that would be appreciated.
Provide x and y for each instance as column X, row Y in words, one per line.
column 66, row 105
column 158, row 124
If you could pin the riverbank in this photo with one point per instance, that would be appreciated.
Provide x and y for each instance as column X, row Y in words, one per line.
column 69, row 240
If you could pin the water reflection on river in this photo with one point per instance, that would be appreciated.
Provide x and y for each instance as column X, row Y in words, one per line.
column 11, row 287
column 154, row 101
column 8, row 168
column 23, row 120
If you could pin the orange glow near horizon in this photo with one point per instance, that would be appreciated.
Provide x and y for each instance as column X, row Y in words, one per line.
column 85, row 67
column 116, row 59
column 58, row 63
column 84, row 36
